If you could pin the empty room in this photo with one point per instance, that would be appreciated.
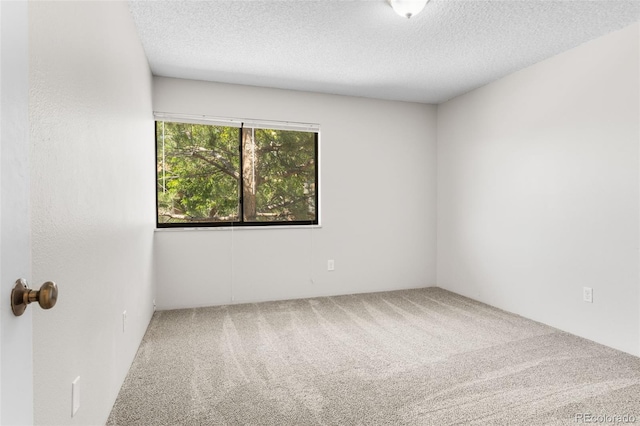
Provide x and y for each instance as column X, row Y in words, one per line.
column 319, row 212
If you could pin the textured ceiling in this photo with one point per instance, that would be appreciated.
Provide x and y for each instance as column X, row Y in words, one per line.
column 363, row 48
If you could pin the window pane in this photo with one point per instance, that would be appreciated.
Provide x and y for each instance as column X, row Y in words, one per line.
column 279, row 175
column 198, row 173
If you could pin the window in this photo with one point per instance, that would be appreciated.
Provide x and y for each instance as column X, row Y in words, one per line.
column 236, row 174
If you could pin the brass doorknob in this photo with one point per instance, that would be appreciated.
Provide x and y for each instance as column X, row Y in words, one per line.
column 22, row 295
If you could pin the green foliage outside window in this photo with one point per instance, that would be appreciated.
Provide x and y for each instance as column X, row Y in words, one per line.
column 216, row 175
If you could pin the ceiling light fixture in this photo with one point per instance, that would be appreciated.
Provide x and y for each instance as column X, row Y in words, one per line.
column 408, row 8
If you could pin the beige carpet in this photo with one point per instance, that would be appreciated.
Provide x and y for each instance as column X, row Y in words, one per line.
column 415, row 357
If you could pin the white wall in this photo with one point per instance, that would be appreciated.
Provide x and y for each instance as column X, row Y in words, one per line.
column 378, row 190
column 538, row 191
column 92, row 199
column 15, row 339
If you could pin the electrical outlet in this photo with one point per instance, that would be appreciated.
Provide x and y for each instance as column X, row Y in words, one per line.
column 75, row 396
column 587, row 294
column 124, row 321
column 331, row 265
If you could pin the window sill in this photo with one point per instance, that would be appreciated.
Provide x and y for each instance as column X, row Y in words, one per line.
column 238, row 228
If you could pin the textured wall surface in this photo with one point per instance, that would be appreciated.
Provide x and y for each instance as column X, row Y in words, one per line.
column 377, row 202
column 92, row 202
column 538, row 192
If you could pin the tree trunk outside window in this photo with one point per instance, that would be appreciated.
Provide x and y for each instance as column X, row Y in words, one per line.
column 249, row 167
